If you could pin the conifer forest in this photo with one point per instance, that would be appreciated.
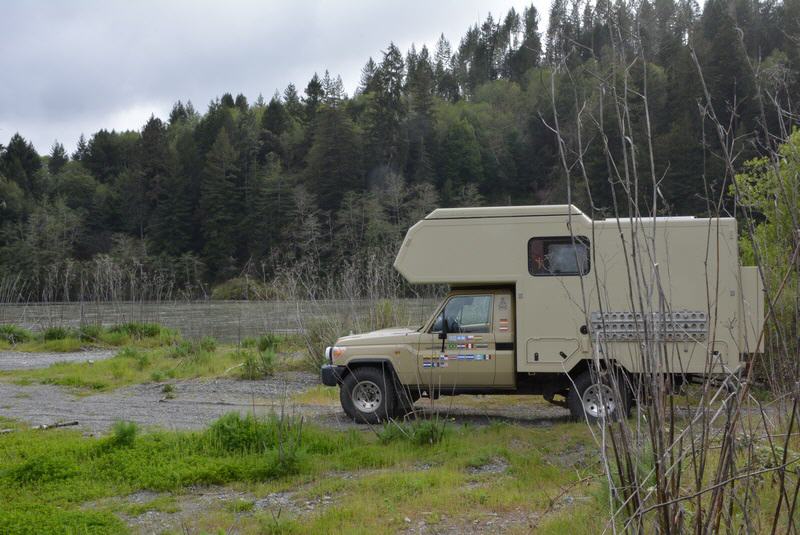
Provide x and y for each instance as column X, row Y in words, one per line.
column 526, row 108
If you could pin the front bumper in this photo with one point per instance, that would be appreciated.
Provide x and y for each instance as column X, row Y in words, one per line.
column 331, row 374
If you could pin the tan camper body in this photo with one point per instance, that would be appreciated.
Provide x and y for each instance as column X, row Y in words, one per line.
column 672, row 282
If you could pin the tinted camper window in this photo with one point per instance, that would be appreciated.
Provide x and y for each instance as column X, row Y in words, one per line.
column 558, row 256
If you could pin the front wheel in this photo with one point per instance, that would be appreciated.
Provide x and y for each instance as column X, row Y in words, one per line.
column 595, row 397
column 367, row 395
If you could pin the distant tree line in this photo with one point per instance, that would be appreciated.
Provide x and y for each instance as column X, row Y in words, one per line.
column 324, row 184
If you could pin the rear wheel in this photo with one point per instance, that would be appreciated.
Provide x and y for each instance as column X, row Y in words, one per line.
column 367, row 395
column 595, row 397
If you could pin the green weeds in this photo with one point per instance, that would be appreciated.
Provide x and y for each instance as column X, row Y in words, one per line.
column 258, row 364
column 420, row 432
column 13, row 335
column 64, row 339
column 46, row 479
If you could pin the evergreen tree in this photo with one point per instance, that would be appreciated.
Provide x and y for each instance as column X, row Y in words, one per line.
column 216, row 209
column 292, row 101
column 386, row 113
column 178, row 113
column 334, row 161
column 444, row 78
column 276, row 117
column 527, row 55
column 314, row 97
column 461, row 158
column 368, row 72
column 20, row 162
column 58, row 158
column 81, row 149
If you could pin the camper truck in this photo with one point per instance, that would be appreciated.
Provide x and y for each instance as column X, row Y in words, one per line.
column 545, row 301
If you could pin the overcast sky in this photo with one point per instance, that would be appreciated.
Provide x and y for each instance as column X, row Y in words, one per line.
column 75, row 67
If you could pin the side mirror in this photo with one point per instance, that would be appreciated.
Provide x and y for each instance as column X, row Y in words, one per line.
column 443, row 332
column 441, row 326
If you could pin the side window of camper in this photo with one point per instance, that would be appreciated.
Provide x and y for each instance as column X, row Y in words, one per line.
column 558, row 256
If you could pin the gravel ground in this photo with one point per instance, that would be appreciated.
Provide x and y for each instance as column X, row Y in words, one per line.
column 197, row 402
column 17, row 360
column 194, row 403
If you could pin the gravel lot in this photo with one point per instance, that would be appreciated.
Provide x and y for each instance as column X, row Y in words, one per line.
column 194, row 403
column 17, row 360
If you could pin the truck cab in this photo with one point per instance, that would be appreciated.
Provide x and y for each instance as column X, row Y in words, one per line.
column 541, row 303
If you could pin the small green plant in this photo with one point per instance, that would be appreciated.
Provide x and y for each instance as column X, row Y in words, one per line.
column 234, row 433
column 181, row 350
column 269, row 341
column 141, row 358
column 208, row 344
column 169, row 391
column 139, row 330
column 420, row 432
column 90, row 332
column 14, row 335
column 55, row 333
column 123, row 434
column 258, row 365
column 240, row 506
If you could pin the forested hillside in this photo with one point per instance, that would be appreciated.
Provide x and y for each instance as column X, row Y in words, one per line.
column 314, row 188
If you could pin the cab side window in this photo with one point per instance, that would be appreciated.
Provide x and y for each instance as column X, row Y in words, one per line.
column 558, row 256
column 466, row 314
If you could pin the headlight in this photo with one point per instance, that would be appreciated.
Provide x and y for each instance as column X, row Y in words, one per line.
column 337, row 352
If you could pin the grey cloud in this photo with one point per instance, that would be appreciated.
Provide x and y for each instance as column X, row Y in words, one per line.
column 72, row 67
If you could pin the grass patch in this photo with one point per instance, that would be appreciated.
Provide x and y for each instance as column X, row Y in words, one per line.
column 11, row 334
column 46, row 478
column 139, row 363
column 420, row 432
column 318, row 395
column 65, row 340
column 161, row 504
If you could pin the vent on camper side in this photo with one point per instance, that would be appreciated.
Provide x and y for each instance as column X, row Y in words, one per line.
column 681, row 326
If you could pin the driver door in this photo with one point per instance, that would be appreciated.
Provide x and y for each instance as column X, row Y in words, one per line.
column 466, row 356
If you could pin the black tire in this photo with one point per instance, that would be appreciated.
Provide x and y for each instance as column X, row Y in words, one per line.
column 367, row 395
column 618, row 400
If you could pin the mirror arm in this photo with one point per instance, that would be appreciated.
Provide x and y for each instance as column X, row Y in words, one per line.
column 443, row 334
